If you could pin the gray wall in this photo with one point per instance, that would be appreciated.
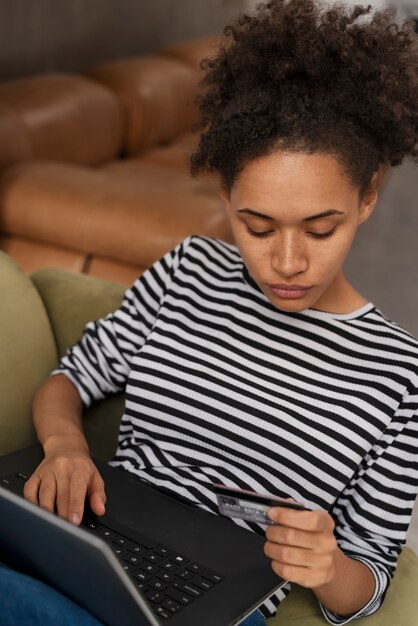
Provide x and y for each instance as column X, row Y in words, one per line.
column 384, row 260
column 72, row 35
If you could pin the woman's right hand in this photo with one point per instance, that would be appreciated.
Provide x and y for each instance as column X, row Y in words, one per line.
column 64, row 479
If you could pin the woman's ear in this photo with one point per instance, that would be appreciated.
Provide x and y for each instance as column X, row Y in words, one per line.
column 370, row 197
column 226, row 198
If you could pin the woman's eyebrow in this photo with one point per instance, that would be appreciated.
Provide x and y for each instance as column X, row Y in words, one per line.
column 255, row 213
column 318, row 216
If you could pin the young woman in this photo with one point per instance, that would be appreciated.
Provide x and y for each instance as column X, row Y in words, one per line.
column 259, row 365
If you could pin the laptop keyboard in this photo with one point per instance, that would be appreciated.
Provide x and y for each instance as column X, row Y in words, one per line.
column 169, row 580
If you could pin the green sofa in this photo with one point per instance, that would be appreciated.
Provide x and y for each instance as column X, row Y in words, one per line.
column 40, row 316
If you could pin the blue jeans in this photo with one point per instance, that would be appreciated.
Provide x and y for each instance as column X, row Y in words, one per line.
column 25, row 600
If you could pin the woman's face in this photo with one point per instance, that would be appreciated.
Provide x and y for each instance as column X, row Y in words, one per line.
column 294, row 217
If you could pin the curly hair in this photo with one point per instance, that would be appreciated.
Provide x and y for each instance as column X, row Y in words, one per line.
column 296, row 76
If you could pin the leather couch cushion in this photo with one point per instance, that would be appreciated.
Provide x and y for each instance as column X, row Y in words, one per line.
column 122, row 273
column 28, row 354
column 193, row 51
column 174, row 154
column 157, row 93
column 30, row 254
column 159, row 177
column 123, row 218
column 14, row 143
column 61, row 113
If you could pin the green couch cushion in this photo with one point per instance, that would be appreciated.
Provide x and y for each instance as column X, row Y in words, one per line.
column 400, row 606
column 72, row 300
column 28, row 354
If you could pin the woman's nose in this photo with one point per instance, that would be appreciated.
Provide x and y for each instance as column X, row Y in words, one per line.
column 289, row 257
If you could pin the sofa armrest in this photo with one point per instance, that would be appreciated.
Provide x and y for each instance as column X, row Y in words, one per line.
column 27, row 354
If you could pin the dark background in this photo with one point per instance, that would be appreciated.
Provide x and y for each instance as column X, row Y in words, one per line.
column 73, row 35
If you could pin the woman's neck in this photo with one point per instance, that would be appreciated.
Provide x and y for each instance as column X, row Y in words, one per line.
column 342, row 298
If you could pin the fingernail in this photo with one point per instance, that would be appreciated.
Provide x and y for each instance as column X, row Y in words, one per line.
column 75, row 518
column 272, row 514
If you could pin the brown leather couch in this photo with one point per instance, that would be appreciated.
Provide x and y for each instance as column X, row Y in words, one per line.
column 93, row 168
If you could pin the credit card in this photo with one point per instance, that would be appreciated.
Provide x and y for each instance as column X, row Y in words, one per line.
column 250, row 505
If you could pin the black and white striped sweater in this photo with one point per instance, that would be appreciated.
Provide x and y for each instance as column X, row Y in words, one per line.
column 223, row 387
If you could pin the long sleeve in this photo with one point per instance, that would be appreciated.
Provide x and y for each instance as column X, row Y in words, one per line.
column 373, row 512
column 99, row 363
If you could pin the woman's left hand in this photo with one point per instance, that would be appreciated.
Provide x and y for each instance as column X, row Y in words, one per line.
column 302, row 547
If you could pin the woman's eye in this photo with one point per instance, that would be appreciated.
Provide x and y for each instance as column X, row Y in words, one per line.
column 323, row 235
column 256, row 233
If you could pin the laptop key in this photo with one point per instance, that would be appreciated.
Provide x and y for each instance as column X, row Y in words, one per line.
column 144, row 577
column 169, row 565
column 143, row 587
column 106, row 533
column 128, row 567
column 202, row 583
column 131, row 558
column 122, row 541
column 157, row 583
column 195, row 567
column 178, row 558
column 188, row 588
column 155, row 597
column 163, row 551
column 22, row 476
column 186, row 574
column 90, row 525
column 138, row 549
column 162, row 612
column 149, row 567
column 212, row 576
column 179, row 596
column 153, row 558
column 12, row 483
column 165, row 576
column 172, row 606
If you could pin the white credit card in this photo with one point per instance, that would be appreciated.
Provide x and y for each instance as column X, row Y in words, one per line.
column 250, row 505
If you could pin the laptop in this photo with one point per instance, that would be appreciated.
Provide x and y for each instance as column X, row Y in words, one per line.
column 150, row 560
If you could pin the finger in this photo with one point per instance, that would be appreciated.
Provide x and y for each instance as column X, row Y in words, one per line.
column 31, row 489
column 47, row 493
column 291, row 555
column 312, row 521
column 62, row 498
column 97, row 495
column 288, row 554
column 286, row 535
column 77, row 496
column 319, row 543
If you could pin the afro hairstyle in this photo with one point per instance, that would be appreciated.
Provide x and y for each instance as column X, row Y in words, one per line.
column 299, row 75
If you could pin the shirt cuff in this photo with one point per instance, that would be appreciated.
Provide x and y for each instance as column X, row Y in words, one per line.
column 374, row 602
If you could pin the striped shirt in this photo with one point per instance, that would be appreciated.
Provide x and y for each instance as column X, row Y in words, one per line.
column 223, row 387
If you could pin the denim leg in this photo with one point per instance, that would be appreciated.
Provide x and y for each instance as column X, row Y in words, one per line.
column 255, row 619
column 25, row 600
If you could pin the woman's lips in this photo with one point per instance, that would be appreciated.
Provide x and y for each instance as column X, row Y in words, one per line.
column 289, row 291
